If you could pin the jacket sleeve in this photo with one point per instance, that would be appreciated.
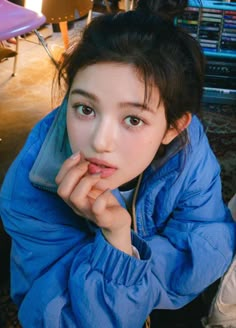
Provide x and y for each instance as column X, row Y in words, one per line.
column 64, row 278
column 195, row 245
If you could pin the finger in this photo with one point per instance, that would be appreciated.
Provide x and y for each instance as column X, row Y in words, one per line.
column 71, row 179
column 104, row 201
column 108, row 213
column 94, row 193
column 99, row 210
column 79, row 198
column 67, row 165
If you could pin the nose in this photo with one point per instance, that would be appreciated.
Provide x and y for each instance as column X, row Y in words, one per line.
column 104, row 136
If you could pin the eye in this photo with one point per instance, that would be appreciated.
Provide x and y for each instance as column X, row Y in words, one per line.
column 84, row 110
column 133, row 121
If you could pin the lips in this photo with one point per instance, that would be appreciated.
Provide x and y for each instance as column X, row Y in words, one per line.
column 97, row 166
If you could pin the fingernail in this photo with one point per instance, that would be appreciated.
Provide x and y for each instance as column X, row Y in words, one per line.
column 75, row 155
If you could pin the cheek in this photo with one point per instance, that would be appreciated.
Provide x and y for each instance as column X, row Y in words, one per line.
column 147, row 150
column 77, row 137
column 140, row 152
column 148, row 145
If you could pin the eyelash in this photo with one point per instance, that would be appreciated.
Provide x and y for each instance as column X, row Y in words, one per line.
column 84, row 116
column 135, row 117
column 76, row 107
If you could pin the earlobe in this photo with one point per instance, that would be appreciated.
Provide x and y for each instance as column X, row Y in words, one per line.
column 181, row 124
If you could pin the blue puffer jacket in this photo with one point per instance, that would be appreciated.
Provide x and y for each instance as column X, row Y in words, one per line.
column 65, row 274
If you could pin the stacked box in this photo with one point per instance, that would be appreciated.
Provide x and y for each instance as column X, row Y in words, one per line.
column 228, row 35
column 213, row 24
column 210, row 29
column 189, row 21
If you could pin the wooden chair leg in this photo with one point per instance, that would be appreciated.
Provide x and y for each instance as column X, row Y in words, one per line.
column 16, row 57
column 90, row 15
column 132, row 5
column 64, row 32
column 129, row 4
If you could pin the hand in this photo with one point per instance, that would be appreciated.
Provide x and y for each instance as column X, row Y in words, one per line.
column 78, row 189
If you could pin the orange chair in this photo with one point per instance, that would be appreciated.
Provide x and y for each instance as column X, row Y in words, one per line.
column 61, row 11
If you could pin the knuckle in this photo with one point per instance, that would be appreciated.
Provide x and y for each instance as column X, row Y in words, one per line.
column 58, row 179
column 61, row 192
column 74, row 200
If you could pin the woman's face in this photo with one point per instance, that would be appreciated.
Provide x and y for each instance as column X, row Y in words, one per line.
column 109, row 125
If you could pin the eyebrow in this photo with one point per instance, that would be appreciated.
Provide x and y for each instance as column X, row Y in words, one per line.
column 140, row 106
column 84, row 93
column 91, row 96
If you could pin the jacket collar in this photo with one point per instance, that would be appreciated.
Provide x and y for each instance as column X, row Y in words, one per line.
column 54, row 151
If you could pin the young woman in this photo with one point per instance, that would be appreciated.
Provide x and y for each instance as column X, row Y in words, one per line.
column 114, row 204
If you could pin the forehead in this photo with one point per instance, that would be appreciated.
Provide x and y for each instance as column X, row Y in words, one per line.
column 120, row 79
column 115, row 71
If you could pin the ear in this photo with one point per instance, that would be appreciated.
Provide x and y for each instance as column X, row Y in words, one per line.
column 181, row 124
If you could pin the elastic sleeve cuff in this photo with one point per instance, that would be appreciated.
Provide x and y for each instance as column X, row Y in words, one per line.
column 118, row 266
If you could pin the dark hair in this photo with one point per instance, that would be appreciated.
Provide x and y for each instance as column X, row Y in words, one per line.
column 148, row 39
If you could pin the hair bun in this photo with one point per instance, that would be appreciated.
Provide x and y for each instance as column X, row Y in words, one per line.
column 167, row 9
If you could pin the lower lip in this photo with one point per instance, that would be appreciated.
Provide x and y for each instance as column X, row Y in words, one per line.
column 104, row 171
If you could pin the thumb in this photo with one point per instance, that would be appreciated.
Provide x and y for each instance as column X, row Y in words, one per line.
column 104, row 201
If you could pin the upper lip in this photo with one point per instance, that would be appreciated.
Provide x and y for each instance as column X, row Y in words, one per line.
column 100, row 162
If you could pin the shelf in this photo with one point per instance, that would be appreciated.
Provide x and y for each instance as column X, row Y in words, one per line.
column 213, row 24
